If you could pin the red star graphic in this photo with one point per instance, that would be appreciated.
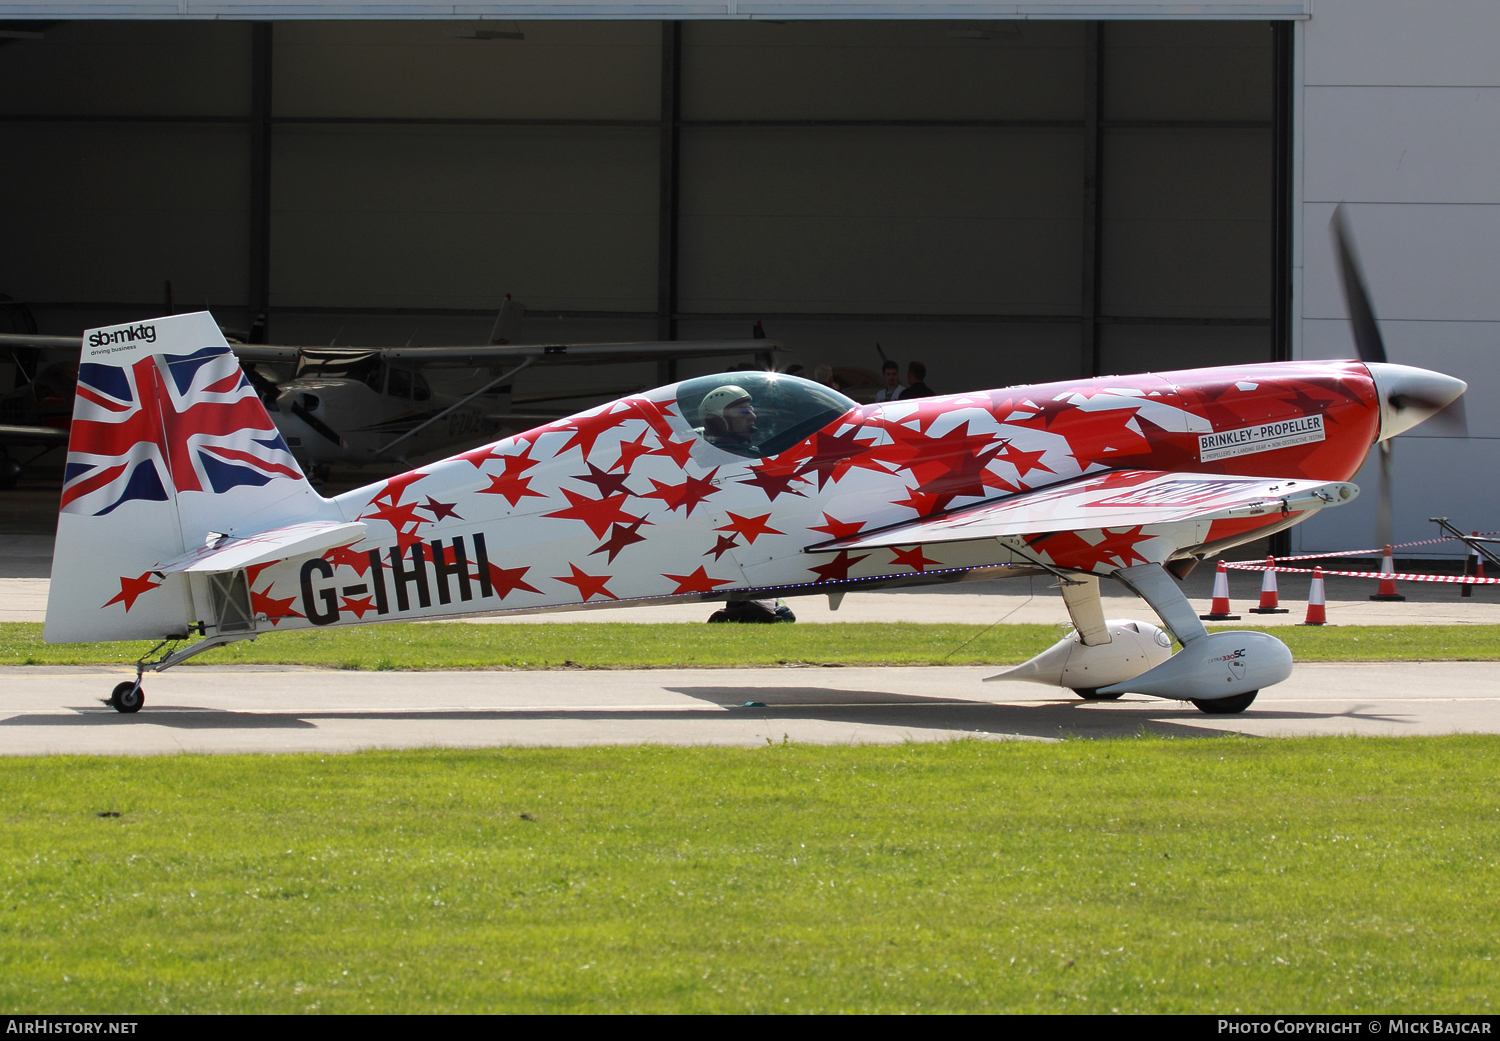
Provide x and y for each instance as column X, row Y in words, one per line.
column 588, row 585
column 912, row 558
column 623, row 535
column 479, row 456
column 507, row 580
column 252, row 573
column 598, row 514
column 749, row 528
column 439, row 510
column 606, row 483
column 397, row 517
column 630, row 451
column 1024, row 462
column 915, row 500
column 1100, row 436
column 724, row 545
column 510, row 483
column 697, row 582
column 343, row 556
column 274, row 610
column 838, row 529
column 357, row 606
column 1069, row 549
column 690, row 493
column 406, row 539
column 831, row 455
column 396, row 486
column 953, row 466
column 775, row 480
column 587, row 430
column 1119, row 546
column 837, row 569
column 678, row 450
column 132, row 588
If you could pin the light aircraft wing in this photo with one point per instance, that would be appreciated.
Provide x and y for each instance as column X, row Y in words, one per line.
column 231, row 554
column 497, row 354
column 11, row 434
column 578, row 353
column 1121, row 498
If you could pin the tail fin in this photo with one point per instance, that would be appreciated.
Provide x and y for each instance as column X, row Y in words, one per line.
column 508, row 322
column 169, row 442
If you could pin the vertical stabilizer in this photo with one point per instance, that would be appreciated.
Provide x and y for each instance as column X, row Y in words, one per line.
column 169, row 442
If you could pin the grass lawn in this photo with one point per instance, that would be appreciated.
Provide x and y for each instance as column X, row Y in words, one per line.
column 1216, row 875
column 619, row 644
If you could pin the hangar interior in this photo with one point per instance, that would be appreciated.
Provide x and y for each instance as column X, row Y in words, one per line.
column 1006, row 201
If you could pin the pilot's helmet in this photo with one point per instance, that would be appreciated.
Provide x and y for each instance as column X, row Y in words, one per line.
column 716, row 401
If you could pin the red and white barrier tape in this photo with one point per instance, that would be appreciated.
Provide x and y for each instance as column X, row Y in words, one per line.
column 1451, row 579
column 1374, row 552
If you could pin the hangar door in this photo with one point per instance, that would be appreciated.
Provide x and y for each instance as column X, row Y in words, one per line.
column 1006, row 201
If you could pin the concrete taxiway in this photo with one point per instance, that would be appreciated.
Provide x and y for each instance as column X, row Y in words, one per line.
column 47, row 710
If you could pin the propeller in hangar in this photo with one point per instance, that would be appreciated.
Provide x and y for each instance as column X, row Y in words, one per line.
column 1409, row 399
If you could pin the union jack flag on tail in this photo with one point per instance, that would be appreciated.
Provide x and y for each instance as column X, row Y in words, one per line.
column 169, row 442
column 168, row 423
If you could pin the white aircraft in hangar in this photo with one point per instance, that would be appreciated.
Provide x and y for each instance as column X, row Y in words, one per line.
column 351, row 406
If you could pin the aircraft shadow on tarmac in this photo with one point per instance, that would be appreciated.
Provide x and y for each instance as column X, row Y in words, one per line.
column 1040, row 719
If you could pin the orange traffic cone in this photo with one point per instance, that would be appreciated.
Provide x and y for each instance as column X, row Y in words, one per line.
column 1387, row 590
column 1268, row 591
column 1316, row 615
column 1218, row 611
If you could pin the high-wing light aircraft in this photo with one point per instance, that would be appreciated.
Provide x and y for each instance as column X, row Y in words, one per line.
column 353, row 406
column 183, row 512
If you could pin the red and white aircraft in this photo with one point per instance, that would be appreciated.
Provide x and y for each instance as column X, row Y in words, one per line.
column 184, row 513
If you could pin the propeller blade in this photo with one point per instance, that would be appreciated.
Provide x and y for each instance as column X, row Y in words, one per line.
column 1383, row 522
column 1361, row 315
column 1453, row 421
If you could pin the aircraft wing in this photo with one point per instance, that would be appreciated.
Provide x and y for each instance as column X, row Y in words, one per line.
column 579, row 353
column 11, row 434
column 1121, row 498
column 494, row 355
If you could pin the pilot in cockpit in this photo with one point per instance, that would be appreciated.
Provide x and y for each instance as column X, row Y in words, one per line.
column 729, row 419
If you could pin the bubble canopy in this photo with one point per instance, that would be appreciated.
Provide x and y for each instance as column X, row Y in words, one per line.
column 757, row 414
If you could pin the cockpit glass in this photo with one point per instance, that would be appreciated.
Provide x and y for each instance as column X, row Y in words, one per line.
column 758, row 414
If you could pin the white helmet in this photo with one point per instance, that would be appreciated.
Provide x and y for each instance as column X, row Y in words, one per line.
column 716, row 401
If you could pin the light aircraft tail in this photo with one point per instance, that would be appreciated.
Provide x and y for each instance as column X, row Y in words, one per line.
column 169, row 444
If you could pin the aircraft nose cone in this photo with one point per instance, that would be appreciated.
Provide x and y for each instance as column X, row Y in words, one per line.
column 1409, row 395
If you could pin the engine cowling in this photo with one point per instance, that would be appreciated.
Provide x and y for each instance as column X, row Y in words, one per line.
column 1134, row 648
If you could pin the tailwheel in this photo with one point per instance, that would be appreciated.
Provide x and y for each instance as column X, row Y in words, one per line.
column 1092, row 694
column 1227, row 706
column 127, row 697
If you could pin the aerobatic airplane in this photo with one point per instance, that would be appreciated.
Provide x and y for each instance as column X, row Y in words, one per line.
column 184, row 513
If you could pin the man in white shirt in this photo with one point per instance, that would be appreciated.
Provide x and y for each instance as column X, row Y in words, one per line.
column 892, row 389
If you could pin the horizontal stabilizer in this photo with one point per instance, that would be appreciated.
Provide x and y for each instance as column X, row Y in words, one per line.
column 1123, row 498
column 294, row 540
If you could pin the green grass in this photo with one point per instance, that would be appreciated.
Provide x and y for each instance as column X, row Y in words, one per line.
column 1214, row 875
column 618, row 644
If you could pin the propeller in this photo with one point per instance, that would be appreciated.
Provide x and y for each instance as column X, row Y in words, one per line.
column 1409, row 398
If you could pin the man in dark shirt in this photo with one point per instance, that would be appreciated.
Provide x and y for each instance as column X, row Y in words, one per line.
column 916, row 387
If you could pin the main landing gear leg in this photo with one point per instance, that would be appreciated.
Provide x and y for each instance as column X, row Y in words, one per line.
column 129, row 697
column 1080, row 594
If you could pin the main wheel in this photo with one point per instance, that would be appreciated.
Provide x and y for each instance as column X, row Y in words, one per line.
column 1227, row 706
column 1092, row 694
column 128, row 697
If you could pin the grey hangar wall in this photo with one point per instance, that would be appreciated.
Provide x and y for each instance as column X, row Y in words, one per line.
column 1006, row 201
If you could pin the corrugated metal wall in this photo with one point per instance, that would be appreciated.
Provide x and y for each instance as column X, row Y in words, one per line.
column 920, row 184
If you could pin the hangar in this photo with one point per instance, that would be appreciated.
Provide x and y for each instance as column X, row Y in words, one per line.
column 1009, row 193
